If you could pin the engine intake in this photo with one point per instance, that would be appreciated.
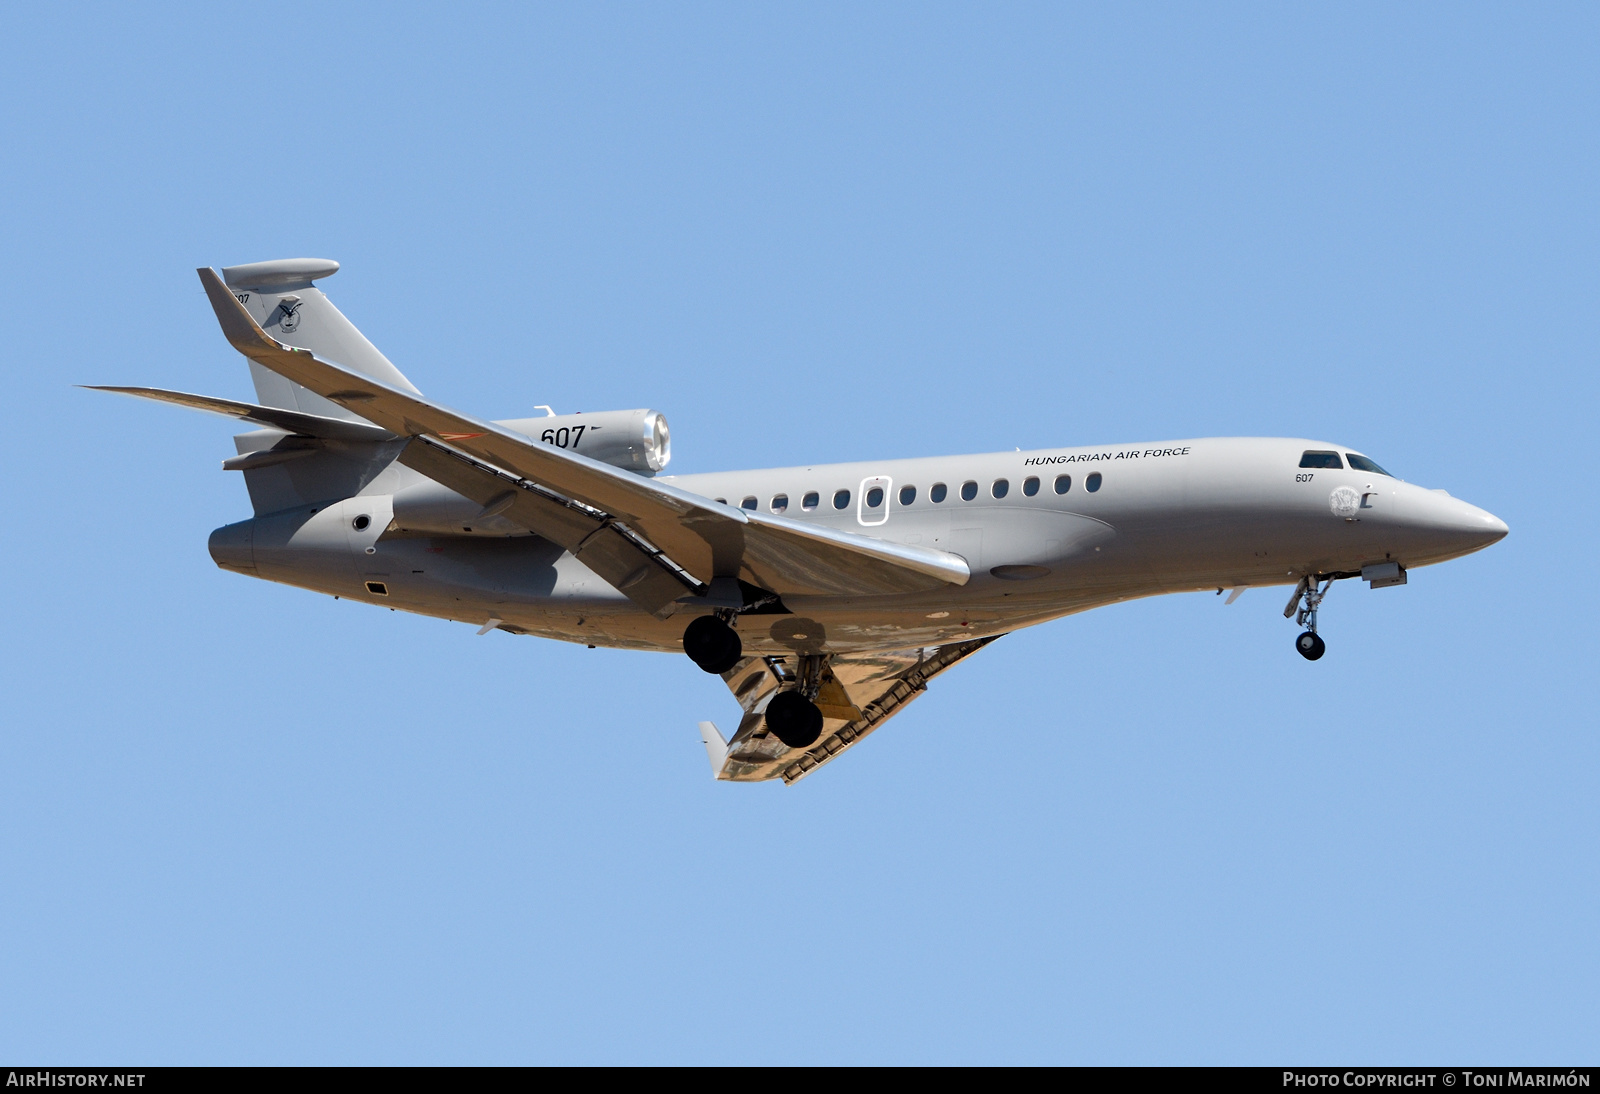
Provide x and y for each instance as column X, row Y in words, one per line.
column 634, row 439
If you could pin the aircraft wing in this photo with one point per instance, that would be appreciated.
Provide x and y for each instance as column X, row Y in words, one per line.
column 653, row 534
column 859, row 693
column 310, row 425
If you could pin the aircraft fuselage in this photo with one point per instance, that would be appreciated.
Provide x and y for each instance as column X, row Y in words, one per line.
column 1045, row 533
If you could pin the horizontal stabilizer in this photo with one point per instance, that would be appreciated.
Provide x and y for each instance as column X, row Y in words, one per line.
column 294, row 421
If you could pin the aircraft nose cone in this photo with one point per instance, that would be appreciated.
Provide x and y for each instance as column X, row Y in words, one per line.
column 1457, row 526
column 1478, row 524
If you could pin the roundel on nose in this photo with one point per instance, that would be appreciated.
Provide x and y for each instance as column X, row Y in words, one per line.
column 1345, row 502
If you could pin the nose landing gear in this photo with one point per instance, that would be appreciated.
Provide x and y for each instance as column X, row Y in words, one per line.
column 1311, row 590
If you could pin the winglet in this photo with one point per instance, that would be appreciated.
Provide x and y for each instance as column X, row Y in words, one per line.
column 716, row 747
column 241, row 331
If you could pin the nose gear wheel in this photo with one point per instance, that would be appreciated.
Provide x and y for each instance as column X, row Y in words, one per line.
column 1303, row 606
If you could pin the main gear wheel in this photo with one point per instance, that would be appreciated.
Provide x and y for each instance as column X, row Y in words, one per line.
column 794, row 719
column 712, row 644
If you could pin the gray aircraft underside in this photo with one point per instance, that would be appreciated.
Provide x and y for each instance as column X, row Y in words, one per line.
column 826, row 596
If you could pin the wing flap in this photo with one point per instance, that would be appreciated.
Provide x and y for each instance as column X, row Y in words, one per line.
column 646, row 578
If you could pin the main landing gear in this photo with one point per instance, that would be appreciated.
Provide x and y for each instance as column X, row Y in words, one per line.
column 792, row 715
column 1311, row 590
column 794, row 719
column 712, row 644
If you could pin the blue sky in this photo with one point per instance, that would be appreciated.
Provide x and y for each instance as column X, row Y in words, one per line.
column 246, row 823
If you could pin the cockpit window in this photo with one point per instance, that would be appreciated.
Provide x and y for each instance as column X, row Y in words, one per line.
column 1322, row 459
column 1361, row 463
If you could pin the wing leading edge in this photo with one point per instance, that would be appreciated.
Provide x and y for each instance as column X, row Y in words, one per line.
column 653, row 541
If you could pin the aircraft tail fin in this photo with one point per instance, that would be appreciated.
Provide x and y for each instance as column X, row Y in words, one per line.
column 281, row 297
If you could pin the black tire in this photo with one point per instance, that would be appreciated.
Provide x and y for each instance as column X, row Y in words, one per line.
column 1311, row 646
column 712, row 644
column 794, row 719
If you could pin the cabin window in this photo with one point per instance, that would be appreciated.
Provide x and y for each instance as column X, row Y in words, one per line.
column 1328, row 460
column 780, row 502
column 908, row 494
column 969, row 490
column 1092, row 483
column 841, row 499
column 936, row 492
column 1001, row 488
column 1361, row 463
column 1030, row 485
column 1063, row 483
column 749, row 503
column 874, row 497
column 809, row 502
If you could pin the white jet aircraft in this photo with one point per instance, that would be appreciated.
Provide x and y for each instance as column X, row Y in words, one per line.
column 826, row 597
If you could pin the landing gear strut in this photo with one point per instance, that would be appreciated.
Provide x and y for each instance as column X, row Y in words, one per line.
column 712, row 644
column 792, row 715
column 1311, row 590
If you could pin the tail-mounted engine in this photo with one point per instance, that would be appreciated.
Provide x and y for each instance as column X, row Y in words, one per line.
column 635, row 439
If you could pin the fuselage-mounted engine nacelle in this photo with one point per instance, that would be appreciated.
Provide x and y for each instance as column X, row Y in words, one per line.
column 635, row 440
